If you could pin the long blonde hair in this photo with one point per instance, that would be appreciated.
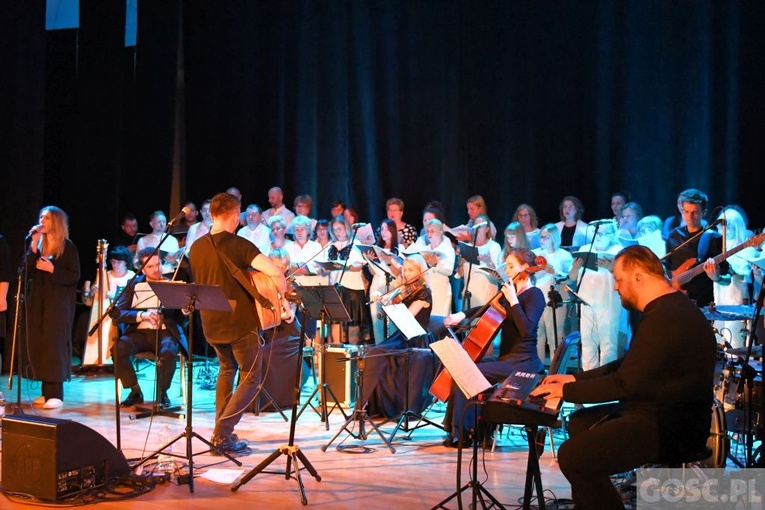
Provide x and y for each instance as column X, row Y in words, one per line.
column 52, row 243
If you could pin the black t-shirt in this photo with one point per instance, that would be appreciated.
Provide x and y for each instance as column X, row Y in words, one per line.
column 709, row 244
column 208, row 269
column 567, row 235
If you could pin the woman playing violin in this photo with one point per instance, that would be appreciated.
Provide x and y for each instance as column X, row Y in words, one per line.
column 385, row 375
column 523, row 305
column 382, row 280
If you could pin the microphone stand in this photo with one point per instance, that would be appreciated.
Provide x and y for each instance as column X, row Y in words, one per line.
column 466, row 295
column 339, row 283
column 20, row 300
column 107, row 313
column 576, row 299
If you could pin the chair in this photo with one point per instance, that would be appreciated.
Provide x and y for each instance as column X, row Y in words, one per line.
column 151, row 358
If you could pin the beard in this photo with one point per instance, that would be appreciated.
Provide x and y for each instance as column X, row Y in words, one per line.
column 629, row 303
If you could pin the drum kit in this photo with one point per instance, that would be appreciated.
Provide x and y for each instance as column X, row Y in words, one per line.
column 738, row 406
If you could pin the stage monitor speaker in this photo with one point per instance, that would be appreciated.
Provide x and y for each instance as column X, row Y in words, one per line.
column 50, row 459
column 341, row 376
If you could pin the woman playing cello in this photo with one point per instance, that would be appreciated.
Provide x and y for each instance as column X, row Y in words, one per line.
column 523, row 305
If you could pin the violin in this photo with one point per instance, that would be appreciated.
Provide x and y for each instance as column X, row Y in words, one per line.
column 402, row 292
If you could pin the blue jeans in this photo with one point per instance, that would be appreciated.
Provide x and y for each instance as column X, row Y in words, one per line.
column 242, row 354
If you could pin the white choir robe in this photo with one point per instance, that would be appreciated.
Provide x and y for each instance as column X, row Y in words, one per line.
column 604, row 323
column 482, row 288
column 561, row 261
column 438, row 276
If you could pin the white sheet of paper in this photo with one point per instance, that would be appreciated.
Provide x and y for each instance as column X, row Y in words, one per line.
column 463, row 370
column 404, row 320
column 144, row 298
column 365, row 234
column 226, row 476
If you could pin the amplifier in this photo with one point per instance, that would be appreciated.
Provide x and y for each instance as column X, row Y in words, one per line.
column 51, row 459
column 341, row 376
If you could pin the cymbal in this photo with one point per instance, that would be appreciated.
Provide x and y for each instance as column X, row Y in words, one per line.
column 728, row 312
column 741, row 351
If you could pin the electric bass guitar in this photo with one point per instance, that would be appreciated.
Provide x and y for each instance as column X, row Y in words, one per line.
column 691, row 268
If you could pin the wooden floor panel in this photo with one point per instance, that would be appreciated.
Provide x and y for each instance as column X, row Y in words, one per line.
column 419, row 475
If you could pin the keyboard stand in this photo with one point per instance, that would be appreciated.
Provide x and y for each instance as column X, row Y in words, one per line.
column 533, row 474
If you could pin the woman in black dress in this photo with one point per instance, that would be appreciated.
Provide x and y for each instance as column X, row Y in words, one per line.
column 53, row 269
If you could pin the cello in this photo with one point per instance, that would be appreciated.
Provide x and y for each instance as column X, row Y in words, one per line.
column 481, row 334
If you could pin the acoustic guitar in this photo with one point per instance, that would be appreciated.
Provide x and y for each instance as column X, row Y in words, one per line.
column 691, row 268
column 268, row 305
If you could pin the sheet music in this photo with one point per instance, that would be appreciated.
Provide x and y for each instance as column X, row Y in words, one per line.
column 404, row 320
column 463, row 370
column 144, row 298
column 365, row 234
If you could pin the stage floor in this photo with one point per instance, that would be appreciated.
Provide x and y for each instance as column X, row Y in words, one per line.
column 419, row 475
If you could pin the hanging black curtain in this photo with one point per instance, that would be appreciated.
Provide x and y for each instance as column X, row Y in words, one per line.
column 521, row 101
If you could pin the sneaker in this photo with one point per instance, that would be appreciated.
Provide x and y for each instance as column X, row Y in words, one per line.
column 53, row 403
column 135, row 397
column 230, row 444
column 38, row 401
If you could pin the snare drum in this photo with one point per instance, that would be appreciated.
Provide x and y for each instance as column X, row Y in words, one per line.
column 718, row 438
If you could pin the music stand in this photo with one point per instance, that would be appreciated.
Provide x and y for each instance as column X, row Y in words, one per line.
column 144, row 298
column 322, row 302
column 189, row 296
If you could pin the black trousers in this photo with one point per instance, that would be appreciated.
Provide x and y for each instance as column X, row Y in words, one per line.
column 143, row 340
column 603, row 441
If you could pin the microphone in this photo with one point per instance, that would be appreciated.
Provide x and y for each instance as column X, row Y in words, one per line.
column 479, row 225
column 178, row 216
column 602, row 222
column 575, row 295
column 357, row 226
column 33, row 231
column 724, row 233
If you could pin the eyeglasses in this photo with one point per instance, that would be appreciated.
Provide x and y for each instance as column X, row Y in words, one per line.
column 391, row 209
column 543, row 238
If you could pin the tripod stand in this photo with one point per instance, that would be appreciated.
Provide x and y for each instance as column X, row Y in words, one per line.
column 292, row 451
column 360, row 409
column 189, row 296
column 323, row 302
column 479, row 492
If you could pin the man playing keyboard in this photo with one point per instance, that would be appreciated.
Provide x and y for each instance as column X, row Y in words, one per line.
column 655, row 401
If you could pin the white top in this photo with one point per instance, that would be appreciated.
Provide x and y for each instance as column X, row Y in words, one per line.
column 260, row 236
column 351, row 279
column 279, row 211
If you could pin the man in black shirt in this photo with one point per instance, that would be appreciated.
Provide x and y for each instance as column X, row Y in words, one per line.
column 703, row 248
column 662, row 388
column 234, row 335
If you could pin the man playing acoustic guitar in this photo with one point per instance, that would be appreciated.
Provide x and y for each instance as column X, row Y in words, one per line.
column 234, row 335
column 703, row 248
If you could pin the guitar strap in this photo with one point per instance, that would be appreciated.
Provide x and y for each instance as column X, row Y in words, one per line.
column 237, row 274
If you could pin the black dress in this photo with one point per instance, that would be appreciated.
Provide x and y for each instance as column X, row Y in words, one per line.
column 50, row 313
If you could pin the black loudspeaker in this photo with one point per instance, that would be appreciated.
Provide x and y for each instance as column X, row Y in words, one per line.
column 50, row 459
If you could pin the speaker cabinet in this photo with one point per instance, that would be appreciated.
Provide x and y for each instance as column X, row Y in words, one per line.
column 51, row 459
column 341, row 375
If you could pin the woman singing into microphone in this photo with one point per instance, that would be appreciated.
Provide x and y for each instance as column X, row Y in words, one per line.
column 523, row 305
column 53, row 269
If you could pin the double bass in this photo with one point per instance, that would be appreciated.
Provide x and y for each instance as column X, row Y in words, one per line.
column 479, row 338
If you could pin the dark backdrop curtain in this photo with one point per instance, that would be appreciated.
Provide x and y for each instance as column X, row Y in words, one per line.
column 521, row 101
